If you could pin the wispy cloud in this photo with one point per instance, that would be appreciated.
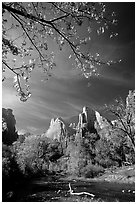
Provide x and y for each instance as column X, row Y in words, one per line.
column 32, row 129
column 67, row 92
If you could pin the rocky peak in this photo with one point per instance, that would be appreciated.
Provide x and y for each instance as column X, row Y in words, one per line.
column 102, row 122
column 59, row 129
column 90, row 119
column 86, row 119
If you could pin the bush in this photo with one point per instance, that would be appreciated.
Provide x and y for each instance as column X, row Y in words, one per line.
column 90, row 171
column 36, row 155
column 31, row 155
column 10, row 172
column 7, row 158
column 106, row 162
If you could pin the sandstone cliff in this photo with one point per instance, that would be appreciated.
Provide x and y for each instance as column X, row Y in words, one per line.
column 91, row 121
column 9, row 134
column 59, row 129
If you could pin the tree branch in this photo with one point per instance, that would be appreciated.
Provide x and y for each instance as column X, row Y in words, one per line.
column 56, row 19
column 26, row 15
column 13, row 11
column 70, row 43
column 81, row 193
column 9, row 67
column 124, row 129
column 59, row 8
column 27, row 34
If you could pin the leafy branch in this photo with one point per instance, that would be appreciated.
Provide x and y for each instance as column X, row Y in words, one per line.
column 60, row 24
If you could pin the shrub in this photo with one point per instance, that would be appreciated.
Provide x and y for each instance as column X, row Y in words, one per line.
column 10, row 172
column 6, row 161
column 31, row 155
column 90, row 171
column 106, row 162
column 36, row 154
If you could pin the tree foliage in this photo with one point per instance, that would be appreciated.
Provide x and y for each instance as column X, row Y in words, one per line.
column 125, row 114
column 31, row 30
column 35, row 153
column 6, row 160
column 80, row 152
column 111, row 149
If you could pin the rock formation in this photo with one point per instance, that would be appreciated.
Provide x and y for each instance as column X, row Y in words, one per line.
column 130, row 100
column 102, row 122
column 59, row 129
column 9, row 134
column 90, row 121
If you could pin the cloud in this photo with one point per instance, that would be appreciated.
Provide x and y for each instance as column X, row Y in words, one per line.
column 32, row 129
column 67, row 92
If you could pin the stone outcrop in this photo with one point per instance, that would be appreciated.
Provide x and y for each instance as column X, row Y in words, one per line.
column 9, row 134
column 90, row 121
column 59, row 129
column 130, row 100
column 4, row 125
column 86, row 119
column 102, row 122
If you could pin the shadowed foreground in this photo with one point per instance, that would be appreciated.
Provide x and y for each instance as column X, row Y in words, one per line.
column 39, row 190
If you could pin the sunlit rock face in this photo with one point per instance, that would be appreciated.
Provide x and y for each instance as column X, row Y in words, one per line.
column 130, row 105
column 102, row 122
column 4, row 125
column 59, row 129
column 86, row 119
column 130, row 100
column 90, row 120
column 9, row 134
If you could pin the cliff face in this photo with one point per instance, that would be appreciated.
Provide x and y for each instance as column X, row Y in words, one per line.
column 9, row 134
column 90, row 121
column 59, row 129
column 130, row 105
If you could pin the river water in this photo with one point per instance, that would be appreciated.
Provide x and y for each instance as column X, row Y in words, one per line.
column 40, row 190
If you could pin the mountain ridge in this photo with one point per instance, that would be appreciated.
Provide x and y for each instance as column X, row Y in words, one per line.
column 88, row 120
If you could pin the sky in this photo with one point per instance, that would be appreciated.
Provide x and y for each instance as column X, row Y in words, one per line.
column 66, row 92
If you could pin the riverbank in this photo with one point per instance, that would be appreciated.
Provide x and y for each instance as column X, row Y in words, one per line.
column 125, row 174
column 115, row 185
column 121, row 175
column 39, row 190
